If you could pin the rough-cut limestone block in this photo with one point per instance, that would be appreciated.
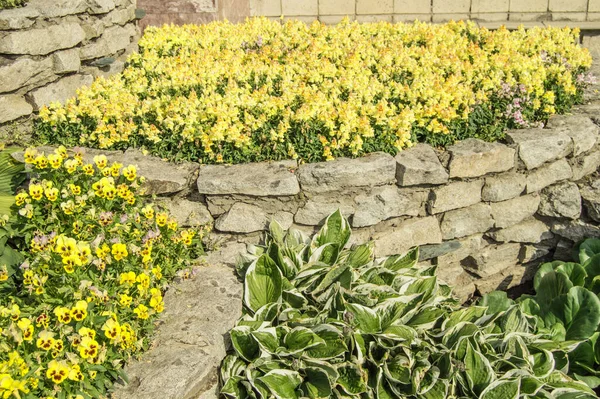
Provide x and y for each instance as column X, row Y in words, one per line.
column 60, row 91
column 419, row 165
column 42, row 41
column 189, row 347
column 561, row 200
column 585, row 165
column 58, row 8
column 259, row 179
column 529, row 253
column 493, row 259
column 580, row 128
column 508, row 278
column 407, row 234
column 513, row 211
column 318, row 208
column 188, row 213
column 468, row 245
column 455, row 195
column 242, row 218
column 100, row 6
column 467, row 221
column 375, row 169
column 575, row 230
column 538, row 146
column 591, row 199
column 23, row 72
column 219, row 204
column 112, row 41
column 548, row 174
column 18, row 18
column 13, row 107
column 474, row 157
column 528, row 231
column 66, row 61
column 503, row 186
column 387, row 202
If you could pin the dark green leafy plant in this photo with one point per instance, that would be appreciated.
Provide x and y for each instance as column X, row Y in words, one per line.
column 11, row 3
column 322, row 320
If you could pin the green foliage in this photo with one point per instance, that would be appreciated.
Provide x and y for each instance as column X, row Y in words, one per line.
column 324, row 320
column 12, row 174
column 566, row 308
column 11, row 3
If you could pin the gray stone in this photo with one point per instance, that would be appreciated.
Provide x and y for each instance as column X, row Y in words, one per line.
column 512, row 276
column 580, row 128
column 58, row 8
column 188, row 213
column 468, row 245
column 42, row 41
column 529, row 253
column 376, row 169
column 120, row 16
column 463, row 287
column 219, row 204
column 431, row 251
column 13, row 107
column 100, row 6
column 18, row 18
column 513, row 211
column 493, row 259
column 318, row 208
column 561, row 200
column 591, row 201
column 93, row 27
column 190, row 343
column 259, row 179
column 455, row 195
column 60, row 90
column 407, row 234
column 575, row 230
column 242, row 218
column 474, row 157
column 466, row 221
column 112, row 41
column 548, row 174
column 503, row 187
column 585, row 165
column 23, row 72
column 538, row 146
column 386, row 202
column 528, row 231
column 66, row 61
column 285, row 219
column 419, row 165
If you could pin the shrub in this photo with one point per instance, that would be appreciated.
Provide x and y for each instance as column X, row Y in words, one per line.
column 11, row 3
column 97, row 261
column 325, row 321
column 264, row 90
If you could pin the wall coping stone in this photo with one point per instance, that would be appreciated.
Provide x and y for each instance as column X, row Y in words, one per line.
column 538, row 146
column 474, row 158
column 419, row 165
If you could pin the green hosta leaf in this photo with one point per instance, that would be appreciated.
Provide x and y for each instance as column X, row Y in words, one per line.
column 267, row 339
column 570, row 393
column 334, row 343
column 294, row 298
column 496, row 302
column 301, row 339
column 592, row 269
column 469, row 314
column 352, row 379
column 390, row 310
column 6, row 202
column 543, row 362
column 316, row 383
column 12, row 172
column 399, row 333
column 478, row 370
column 243, row 342
column 232, row 366
column 438, row 391
column 233, row 389
column 513, row 320
column 398, row 369
column 327, row 253
column 360, row 255
column 426, row 286
column 262, row 284
column 588, row 248
column 282, row 383
column 276, row 232
column 579, row 310
column 426, row 317
column 331, row 277
column 502, row 389
column 552, row 285
column 336, row 230
column 543, row 270
column 455, row 333
column 366, row 319
column 574, row 271
column 406, row 261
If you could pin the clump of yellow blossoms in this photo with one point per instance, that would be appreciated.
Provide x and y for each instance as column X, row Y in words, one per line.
column 97, row 262
column 266, row 90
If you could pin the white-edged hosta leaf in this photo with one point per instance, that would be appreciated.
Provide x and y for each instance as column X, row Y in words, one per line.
column 478, row 370
column 426, row 317
column 300, row 339
column 496, row 302
column 405, row 261
column 364, row 318
column 336, row 230
column 502, row 389
column 360, row 255
column 267, row 339
column 352, row 379
column 331, row 277
column 438, row 391
column 334, row 343
column 316, row 384
column 233, row 389
column 262, row 284
column 232, row 366
column 398, row 369
column 282, row 383
column 468, row 314
column 392, row 309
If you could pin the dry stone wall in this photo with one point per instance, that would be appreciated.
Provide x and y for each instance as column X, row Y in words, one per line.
column 486, row 213
column 48, row 49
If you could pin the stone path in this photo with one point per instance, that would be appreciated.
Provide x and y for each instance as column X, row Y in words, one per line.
column 191, row 339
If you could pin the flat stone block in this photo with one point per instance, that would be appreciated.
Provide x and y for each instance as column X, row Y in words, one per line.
column 22, row 72
column 376, row 169
column 493, row 259
column 561, row 200
column 568, row 5
column 188, row 213
column 18, row 18
column 242, row 218
column 576, row 230
column 259, row 179
column 387, row 202
column 580, row 128
column 467, row 221
column 412, row 7
column 407, row 234
column 267, row 8
column 419, row 165
column 60, row 90
column 548, row 174
column 450, row 6
column 529, row 5
column 503, row 186
column 42, row 41
column 585, row 165
column 474, row 157
column 300, row 7
column 13, row 107
column 337, row 7
column 489, row 6
column 591, row 200
column 374, row 7
column 66, row 61
column 455, row 195
column 538, row 146
column 513, row 211
column 316, row 210
column 528, row 231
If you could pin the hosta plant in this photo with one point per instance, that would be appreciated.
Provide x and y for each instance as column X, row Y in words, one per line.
column 97, row 260
column 325, row 320
column 566, row 307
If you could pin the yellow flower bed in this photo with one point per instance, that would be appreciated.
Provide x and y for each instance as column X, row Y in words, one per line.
column 97, row 261
column 265, row 90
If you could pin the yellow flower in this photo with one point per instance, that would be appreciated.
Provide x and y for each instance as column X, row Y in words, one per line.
column 161, row 218
column 79, row 311
column 87, row 332
column 51, row 194
column 100, row 161
column 75, row 375
column 119, row 251
column 127, row 278
column 30, row 155
column 88, row 348
column 45, row 340
column 55, row 161
column 57, row 372
column 111, row 329
column 125, row 300
column 26, row 328
column 36, row 191
column 88, row 169
column 141, row 311
column 21, row 198
column 130, row 172
column 63, row 314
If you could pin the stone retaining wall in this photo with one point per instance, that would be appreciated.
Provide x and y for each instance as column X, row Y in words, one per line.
column 48, row 49
column 486, row 213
